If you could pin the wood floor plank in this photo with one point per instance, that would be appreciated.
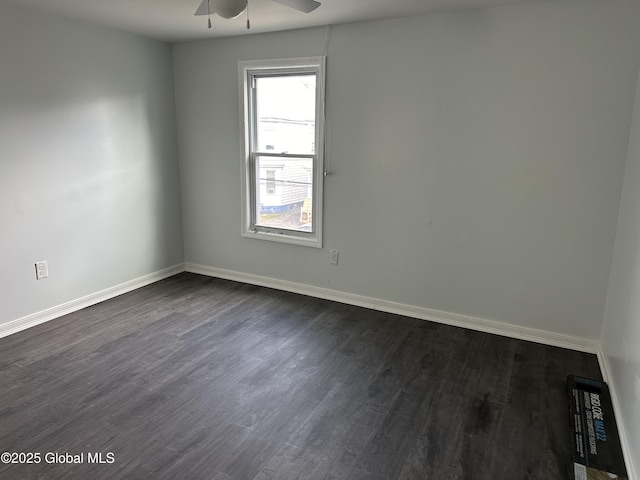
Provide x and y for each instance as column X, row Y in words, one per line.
column 202, row 378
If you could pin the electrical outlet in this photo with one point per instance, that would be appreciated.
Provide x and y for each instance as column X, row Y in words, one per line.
column 42, row 270
column 333, row 257
column 637, row 387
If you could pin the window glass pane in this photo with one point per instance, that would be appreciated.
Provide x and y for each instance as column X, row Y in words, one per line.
column 284, row 193
column 285, row 108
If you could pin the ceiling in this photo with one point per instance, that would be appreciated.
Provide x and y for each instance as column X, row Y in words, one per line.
column 173, row 20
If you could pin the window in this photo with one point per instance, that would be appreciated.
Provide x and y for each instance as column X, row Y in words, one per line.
column 282, row 103
column 271, row 182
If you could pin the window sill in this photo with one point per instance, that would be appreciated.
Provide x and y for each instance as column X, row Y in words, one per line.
column 311, row 241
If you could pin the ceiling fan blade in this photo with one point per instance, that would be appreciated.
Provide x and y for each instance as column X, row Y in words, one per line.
column 204, row 10
column 305, row 6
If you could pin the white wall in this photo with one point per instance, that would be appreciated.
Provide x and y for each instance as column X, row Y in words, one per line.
column 621, row 327
column 477, row 159
column 88, row 160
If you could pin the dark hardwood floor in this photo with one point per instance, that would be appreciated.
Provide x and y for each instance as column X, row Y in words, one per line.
column 201, row 378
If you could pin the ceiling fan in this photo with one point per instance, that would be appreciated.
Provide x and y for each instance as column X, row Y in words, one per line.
column 232, row 8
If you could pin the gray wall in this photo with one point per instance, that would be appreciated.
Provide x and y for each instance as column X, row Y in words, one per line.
column 88, row 160
column 476, row 159
column 621, row 327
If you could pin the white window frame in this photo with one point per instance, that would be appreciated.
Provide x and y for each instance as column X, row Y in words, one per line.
column 246, row 71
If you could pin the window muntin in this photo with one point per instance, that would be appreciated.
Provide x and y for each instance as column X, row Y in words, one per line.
column 283, row 120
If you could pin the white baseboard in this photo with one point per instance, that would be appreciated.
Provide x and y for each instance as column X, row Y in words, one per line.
column 473, row 323
column 608, row 377
column 86, row 301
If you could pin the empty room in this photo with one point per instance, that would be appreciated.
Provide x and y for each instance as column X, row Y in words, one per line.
column 289, row 239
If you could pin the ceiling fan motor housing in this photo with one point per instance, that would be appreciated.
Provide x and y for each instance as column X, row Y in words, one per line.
column 228, row 8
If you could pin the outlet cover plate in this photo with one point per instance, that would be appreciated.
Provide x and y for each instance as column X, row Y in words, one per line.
column 42, row 270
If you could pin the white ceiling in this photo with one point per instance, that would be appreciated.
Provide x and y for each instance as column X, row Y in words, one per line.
column 173, row 20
